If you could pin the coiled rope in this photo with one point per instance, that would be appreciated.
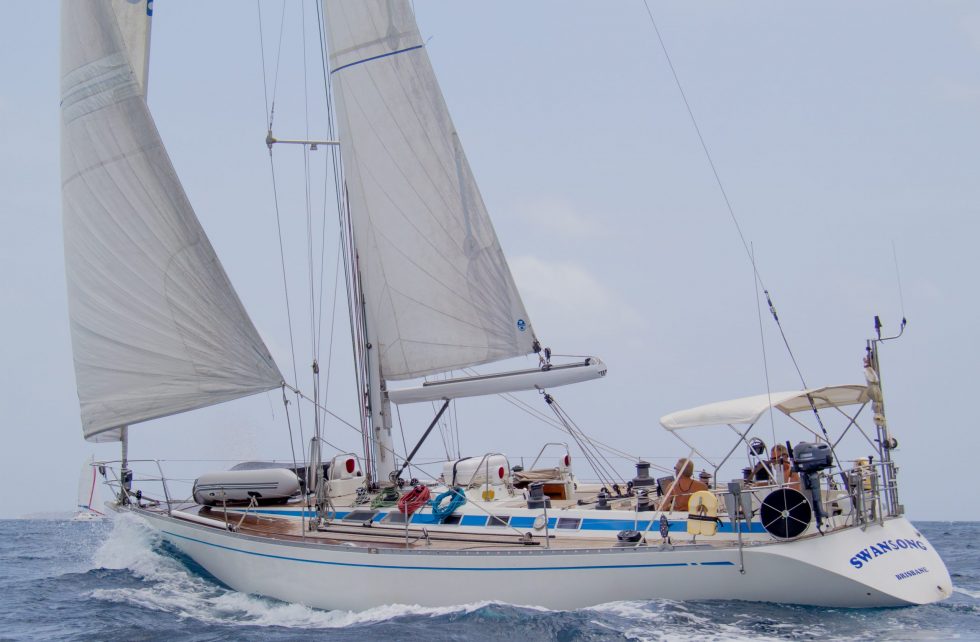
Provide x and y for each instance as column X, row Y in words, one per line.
column 414, row 499
column 441, row 509
column 387, row 497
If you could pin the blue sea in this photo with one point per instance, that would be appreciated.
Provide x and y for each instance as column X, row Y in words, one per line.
column 116, row 580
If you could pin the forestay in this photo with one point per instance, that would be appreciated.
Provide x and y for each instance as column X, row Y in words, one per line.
column 438, row 292
column 156, row 326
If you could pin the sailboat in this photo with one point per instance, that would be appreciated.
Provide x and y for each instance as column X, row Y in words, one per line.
column 88, row 483
column 158, row 329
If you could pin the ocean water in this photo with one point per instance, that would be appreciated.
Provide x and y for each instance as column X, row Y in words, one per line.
column 63, row 580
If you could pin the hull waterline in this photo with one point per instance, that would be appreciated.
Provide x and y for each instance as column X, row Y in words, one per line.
column 814, row 571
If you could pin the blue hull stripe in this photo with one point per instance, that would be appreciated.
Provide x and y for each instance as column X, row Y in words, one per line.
column 588, row 524
column 449, row 568
column 390, row 53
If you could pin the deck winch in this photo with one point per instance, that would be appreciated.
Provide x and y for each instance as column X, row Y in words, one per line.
column 536, row 497
column 643, row 478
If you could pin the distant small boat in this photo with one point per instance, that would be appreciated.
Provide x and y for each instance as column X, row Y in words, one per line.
column 86, row 494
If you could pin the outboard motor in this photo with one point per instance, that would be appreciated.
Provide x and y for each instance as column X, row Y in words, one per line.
column 808, row 460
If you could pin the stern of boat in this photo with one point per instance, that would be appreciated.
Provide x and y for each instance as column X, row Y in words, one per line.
column 887, row 563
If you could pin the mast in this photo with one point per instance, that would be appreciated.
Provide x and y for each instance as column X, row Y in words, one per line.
column 125, row 474
column 886, row 442
column 375, row 405
column 380, row 415
column 431, row 290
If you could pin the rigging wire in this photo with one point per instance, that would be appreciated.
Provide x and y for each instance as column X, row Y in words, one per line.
column 301, row 394
column 401, row 427
column 307, row 151
column 323, row 222
column 724, row 194
column 333, row 315
column 347, row 248
column 442, row 430
column 454, row 422
column 522, row 405
column 765, row 360
column 289, row 427
column 285, row 288
column 275, row 83
column 282, row 253
column 307, row 194
column 898, row 278
column 603, row 469
column 265, row 82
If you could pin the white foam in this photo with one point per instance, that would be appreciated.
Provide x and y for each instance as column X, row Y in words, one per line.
column 171, row 588
column 974, row 594
column 669, row 620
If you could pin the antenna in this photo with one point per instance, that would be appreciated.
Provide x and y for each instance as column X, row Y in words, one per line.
column 898, row 279
column 901, row 298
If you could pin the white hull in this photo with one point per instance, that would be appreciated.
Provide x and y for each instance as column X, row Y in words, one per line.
column 814, row 570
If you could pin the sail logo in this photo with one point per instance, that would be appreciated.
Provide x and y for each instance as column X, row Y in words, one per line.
column 865, row 555
column 521, row 325
column 149, row 6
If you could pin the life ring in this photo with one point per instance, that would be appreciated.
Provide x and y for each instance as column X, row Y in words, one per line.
column 702, row 518
column 414, row 499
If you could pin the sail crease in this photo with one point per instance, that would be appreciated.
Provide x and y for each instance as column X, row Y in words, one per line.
column 156, row 326
column 438, row 294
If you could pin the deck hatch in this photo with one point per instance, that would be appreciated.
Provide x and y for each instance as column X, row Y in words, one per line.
column 360, row 515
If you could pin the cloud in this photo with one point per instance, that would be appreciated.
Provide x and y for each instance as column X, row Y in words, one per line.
column 567, row 302
column 559, row 217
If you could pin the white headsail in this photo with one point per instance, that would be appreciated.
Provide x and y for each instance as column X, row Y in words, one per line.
column 86, row 485
column 133, row 18
column 438, row 292
column 156, row 325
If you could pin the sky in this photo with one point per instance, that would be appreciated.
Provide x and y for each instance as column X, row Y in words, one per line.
column 845, row 135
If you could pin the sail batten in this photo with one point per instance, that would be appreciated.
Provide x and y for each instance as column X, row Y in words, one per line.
column 438, row 294
column 156, row 326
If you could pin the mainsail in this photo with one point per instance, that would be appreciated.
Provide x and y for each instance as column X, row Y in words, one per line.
column 133, row 19
column 156, row 325
column 438, row 294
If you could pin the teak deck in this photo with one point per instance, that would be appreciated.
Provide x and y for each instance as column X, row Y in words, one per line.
column 374, row 534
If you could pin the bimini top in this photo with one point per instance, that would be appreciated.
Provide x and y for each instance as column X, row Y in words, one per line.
column 747, row 410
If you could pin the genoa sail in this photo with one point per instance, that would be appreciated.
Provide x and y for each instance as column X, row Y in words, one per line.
column 438, row 293
column 156, row 325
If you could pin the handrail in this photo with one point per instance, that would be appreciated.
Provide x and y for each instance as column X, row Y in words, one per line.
column 550, row 443
column 469, row 484
column 162, row 479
